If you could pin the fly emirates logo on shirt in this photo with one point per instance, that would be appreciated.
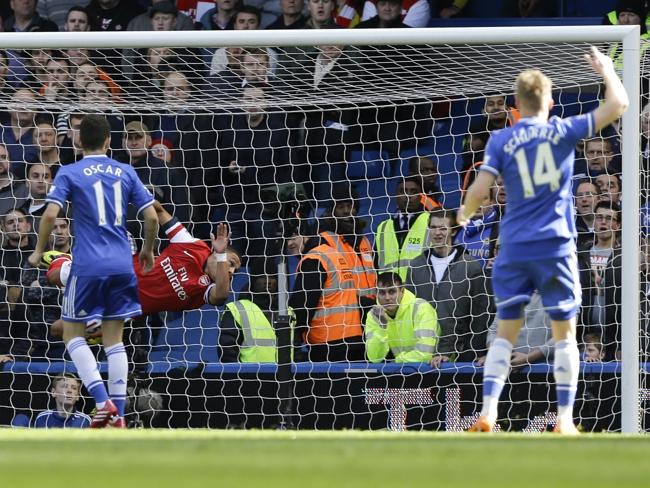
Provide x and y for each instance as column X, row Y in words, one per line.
column 176, row 278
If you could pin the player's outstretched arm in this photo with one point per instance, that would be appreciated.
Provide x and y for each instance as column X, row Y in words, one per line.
column 616, row 99
column 150, row 233
column 163, row 215
column 219, row 273
column 475, row 196
column 44, row 231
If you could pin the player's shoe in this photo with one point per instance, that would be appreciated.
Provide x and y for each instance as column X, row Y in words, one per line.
column 565, row 428
column 481, row 425
column 104, row 415
column 117, row 423
column 50, row 256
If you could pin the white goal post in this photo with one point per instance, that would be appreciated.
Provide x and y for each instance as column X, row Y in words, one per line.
column 627, row 35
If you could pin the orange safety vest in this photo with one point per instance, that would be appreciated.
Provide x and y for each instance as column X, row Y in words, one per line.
column 428, row 203
column 361, row 263
column 337, row 314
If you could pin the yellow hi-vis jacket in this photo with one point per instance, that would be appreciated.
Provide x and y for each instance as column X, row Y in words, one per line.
column 389, row 256
column 259, row 345
column 412, row 335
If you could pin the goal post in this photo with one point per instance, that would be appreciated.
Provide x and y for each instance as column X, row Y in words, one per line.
column 457, row 41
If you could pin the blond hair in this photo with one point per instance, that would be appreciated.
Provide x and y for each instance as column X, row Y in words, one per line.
column 533, row 87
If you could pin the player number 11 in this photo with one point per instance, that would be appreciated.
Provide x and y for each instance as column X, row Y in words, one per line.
column 101, row 204
column 544, row 172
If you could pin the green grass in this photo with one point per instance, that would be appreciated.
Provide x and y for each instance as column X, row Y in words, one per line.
column 184, row 459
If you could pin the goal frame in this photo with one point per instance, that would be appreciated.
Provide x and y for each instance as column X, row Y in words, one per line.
column 629, row 36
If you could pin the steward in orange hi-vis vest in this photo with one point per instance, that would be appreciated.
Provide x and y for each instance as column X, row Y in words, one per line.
column 337, row 315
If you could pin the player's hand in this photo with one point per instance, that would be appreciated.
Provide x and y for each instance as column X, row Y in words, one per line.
column 5, row 358
column 599, row 62
column 480, row 362
column 221, row 239
column 146, row 260
column 461, row 218
column 438, row 359
column 35, row 258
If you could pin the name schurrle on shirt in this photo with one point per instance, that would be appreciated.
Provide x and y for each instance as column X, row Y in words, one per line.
column 526, row 134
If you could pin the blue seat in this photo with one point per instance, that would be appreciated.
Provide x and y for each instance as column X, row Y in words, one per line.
column 367, row 164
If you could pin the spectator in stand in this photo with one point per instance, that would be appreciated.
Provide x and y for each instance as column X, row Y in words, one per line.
column 245, row 18
column 535, row 342
column 47, row 147
column 113, row 15
column 18, row 241
column 66, row 391
column 610, row 188
column 255, row 154
column 411, row 13
column 76, row 19
column 447, row 9
column 389, row 15
column 6, row 89
column 592, row 350
column 478, row 236
column 43, row 301
column 426, row 169
column 600, row 275
column 17, row 132
column 12, row 193
column 341, row 228
column 402, row 238
column 159, row 179
column 292, row 17
column 25, row 18
column 220, row 16
column 58, row 82
column 320, row 14
column 528, row 8
column 161, row 12
column 598, row 158
column 326, row 303
column 400, row 326
column 246, row 333
column 586, row 197
column 71, row 143
column 447, row 277
column 58, row 11
column 496, row 115
column 348, row 13
column 35, row 61
column 39, row 180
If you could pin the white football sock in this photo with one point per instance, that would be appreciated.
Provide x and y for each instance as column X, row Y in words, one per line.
column 118, row 371
column 86, row 366
column 566, row 369
column 495, row 372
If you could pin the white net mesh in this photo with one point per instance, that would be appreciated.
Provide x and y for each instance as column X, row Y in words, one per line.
column 276, row 142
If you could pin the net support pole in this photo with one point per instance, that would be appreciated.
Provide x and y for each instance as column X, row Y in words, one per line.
column 630, row 236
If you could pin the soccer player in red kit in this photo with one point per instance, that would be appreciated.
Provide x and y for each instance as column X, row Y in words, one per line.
column 186, row 275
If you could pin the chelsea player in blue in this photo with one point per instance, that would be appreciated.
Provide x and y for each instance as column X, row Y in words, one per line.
column 102, row 283
column 535, row 158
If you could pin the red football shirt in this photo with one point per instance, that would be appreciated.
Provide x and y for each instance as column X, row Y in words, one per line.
column 177, row 281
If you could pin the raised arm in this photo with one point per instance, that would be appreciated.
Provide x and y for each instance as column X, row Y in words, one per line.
column 475, row 196
column 150, row 232
column 616, row 99
column 218, row 266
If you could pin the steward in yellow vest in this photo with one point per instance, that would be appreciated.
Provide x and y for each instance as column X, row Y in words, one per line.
column 401, row 324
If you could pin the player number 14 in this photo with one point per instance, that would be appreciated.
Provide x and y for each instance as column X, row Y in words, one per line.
column 101, row 203
column 544, row 172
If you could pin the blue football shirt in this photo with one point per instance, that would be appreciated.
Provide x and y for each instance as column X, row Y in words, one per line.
column 100, row 190
column 50, row 419
column 535, row 158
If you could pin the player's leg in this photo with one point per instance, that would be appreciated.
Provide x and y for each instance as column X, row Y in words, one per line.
column 561, row 296
column 123, row 304
column 512, row 289
column 566, row 369
column 84, row 361
column 81, row 302
column 118, row 365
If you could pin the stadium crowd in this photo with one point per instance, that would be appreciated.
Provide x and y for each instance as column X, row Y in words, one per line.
column 416, row 289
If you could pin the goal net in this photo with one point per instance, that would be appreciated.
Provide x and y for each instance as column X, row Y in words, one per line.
column 345, row 143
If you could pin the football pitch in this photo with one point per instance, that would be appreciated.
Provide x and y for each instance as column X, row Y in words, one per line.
column 269, row 459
